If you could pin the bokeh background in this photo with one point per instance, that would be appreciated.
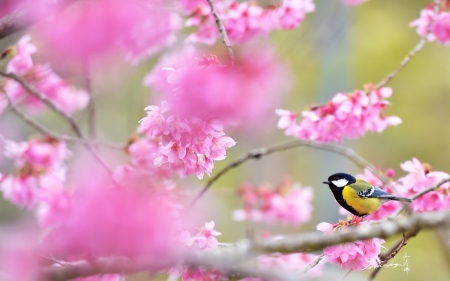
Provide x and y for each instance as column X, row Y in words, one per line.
column 338, row 48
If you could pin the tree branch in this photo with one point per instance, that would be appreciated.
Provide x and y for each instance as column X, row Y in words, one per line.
column 414, row 51
column 222, row 30
column 74, row 126
column 264, row 151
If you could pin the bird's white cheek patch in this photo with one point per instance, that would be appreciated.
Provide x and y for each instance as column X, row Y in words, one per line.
column 340, row 183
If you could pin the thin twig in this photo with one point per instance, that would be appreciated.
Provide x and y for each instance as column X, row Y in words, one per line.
column 91, row 112
column 313, row 264
column 55, row 108
column 222, row 30
column 264, row 151
column 346, row 274
column 28, row 120
column 392, row 253
column 414, row 51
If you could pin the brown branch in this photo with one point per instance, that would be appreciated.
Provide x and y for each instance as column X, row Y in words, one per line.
column 91, row 112
column 74, row 126
column 222, row 30
column 313, row 264
column 414, row 51
column 264, row 151
column 24, row 17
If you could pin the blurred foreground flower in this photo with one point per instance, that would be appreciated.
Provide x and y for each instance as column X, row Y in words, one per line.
column 441, row 28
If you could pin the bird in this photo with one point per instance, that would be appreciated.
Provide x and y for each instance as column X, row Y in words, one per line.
column 358, row 196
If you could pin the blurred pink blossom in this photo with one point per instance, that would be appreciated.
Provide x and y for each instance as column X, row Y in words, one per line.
column 289, row 203
column 243, row 93
column 292, row 12
column 440, row 29
column 205, row 237
column 91, row 28
column 185, row 146
column 357, row 255
column 103, row 277
column 345, row 116
column 114, row 220
column 41, row 77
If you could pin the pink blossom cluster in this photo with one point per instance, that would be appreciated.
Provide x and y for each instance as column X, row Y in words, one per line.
column 38, row 179
column 244, row 20
column 205, row 237
column 188, row 147
column 357, row 255
column 243, row 93
column 440, row 29
column 421, row 176
column 92, row 28
column 41, row 77
column 288, row 203
column 345, row 116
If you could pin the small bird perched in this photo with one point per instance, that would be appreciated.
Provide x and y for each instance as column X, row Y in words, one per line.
column 358, row 196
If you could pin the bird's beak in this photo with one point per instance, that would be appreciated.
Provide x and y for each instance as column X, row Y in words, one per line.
column 326, row 182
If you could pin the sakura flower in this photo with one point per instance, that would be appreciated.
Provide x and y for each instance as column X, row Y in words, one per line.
column 292, row 12
column 421, row 176
column 41, row 77
column 21, row 191
column 440, row 29
column 353, row 255
column 103, row 277
column 289, row 203
column 93, row 28
column 204, row 88
column 209, row 234
column 345, row 116
column 176, row 144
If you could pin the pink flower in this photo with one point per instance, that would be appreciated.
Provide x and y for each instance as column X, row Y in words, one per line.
column 420, row 176
column 292, row 12
column 103, row 277
column 41, row 77
column 180, row 145
column 296, row 261
column 204, row 88
column 91, row 28
column 190, row 5
column 353, row 255
column 290, row 204
column 345, row 116
column 20, row 190
column 209, row 234
column 440, row 29
column 22, row 61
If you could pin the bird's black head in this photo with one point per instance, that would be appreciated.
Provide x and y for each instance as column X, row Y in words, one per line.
column 339, row 180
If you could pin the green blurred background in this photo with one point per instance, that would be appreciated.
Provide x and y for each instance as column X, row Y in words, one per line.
column 337, row 48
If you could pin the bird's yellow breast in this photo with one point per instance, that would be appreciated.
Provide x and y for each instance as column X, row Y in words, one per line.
column 364, row 206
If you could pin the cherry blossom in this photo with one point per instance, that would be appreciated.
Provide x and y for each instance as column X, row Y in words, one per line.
column 92, row 28
column 242, row 94
column 288, row 203
column 421, row 176
column 205, row 237
column 440, row 29
column 345, row 116
column 41, row 77
column 185, row 146
column 244, row 20
column 356, row 255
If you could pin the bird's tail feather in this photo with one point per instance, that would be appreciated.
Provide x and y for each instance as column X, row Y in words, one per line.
column 402, row 199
